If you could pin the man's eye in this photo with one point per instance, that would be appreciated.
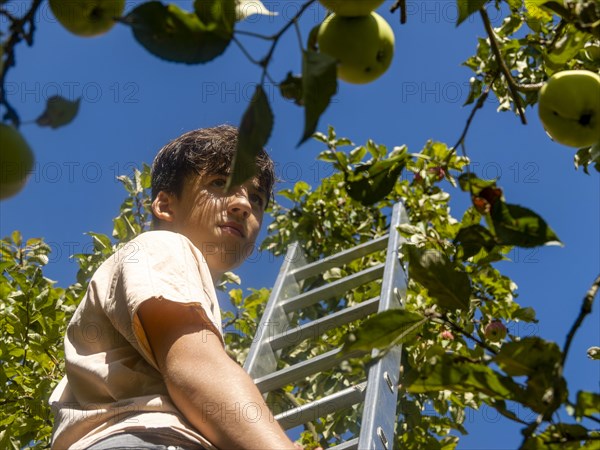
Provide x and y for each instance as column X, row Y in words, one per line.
column 257, row 199
column 219, row 182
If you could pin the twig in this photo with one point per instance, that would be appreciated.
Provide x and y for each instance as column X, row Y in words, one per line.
column 28, row 313
column 17, row 34
column 558, row 33
column 299, row 35
column 479, row 104
column 15, row 400
column 512, row 86
column 586, row 308
column 256, row 35
column 592, row 418
column 8, row 15
column 468, row 335
column 505, row 413
column 267, row 59
column 512, row 83
column 533, row 87
column 309, row 425
column 564, row 439
column 402, row 5
column 527, row 432
column 254, row 61
column 244, row 51
column 55, row 361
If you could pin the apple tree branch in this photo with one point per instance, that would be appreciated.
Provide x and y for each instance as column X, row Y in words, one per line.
column 21, row 29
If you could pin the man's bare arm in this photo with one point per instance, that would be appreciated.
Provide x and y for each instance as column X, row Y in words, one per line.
column 211, row 390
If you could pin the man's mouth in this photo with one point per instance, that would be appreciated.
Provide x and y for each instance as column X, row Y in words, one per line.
column 233, row 228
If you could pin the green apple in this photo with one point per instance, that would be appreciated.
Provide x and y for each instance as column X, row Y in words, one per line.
column 363, row 46
column 16, row 161
column 87, row 17
column 569, row 107
column 351, row 8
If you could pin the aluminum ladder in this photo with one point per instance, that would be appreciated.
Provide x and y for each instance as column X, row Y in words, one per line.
column 378, row 392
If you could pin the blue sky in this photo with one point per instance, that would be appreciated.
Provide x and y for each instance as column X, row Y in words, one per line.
column 133, row 103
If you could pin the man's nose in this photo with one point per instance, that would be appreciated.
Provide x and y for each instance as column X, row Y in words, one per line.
column 239, row 204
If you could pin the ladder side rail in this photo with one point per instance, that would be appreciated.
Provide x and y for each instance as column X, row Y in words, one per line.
column 261, row 357
column 339, row 259
column 379, row 411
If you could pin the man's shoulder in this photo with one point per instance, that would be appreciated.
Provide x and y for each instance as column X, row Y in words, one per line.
column 150, row 246
column 159, row 238
column 163, row 245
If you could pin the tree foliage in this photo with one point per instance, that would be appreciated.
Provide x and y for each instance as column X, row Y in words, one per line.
column 451, row 361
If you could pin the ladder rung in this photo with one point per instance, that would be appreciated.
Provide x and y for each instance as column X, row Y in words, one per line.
column 337, row 287
column 317, row 327
column 348, row 445
column 340, row 258
column 301, row 370
column 319, row 408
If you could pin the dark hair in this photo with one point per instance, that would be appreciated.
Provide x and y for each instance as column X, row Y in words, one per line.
column 205, row 151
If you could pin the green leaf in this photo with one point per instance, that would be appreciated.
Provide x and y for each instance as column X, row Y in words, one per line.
column 556, row 6
column 468, row 7
column 536, row 15
column 558, row 436
column 593, row 353
column 101, row 242
column 516, row 225
column 473, row 238
column 146, row 177
column 565, row 48
column 525, row 314
column 475, row 88
column 291, row 88
column 586, row 156
column 500, row 406
column 372, row 181
column 17, row 238
column 59, row 112
column 588, row 404
column 449, row 288
column 319, row 84
column 470, row 182
column 383, row 330
column 528, row 356
column 254, row 133
column 515, row 5
column 120, row 228
column 6, row 264
column 449, row 372
column 545, row 391
column 176, row 35
column 217, row 15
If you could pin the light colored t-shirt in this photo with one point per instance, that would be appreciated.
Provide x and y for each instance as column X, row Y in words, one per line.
column 112, row 381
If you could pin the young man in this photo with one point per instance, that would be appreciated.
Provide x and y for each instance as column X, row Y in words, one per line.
column 145, row 362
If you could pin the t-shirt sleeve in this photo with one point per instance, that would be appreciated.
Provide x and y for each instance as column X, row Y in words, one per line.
column 162, row 265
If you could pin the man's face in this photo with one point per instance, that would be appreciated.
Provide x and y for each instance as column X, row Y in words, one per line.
column 223, row 226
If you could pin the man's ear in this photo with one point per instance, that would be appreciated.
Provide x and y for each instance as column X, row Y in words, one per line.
column 163, row 206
